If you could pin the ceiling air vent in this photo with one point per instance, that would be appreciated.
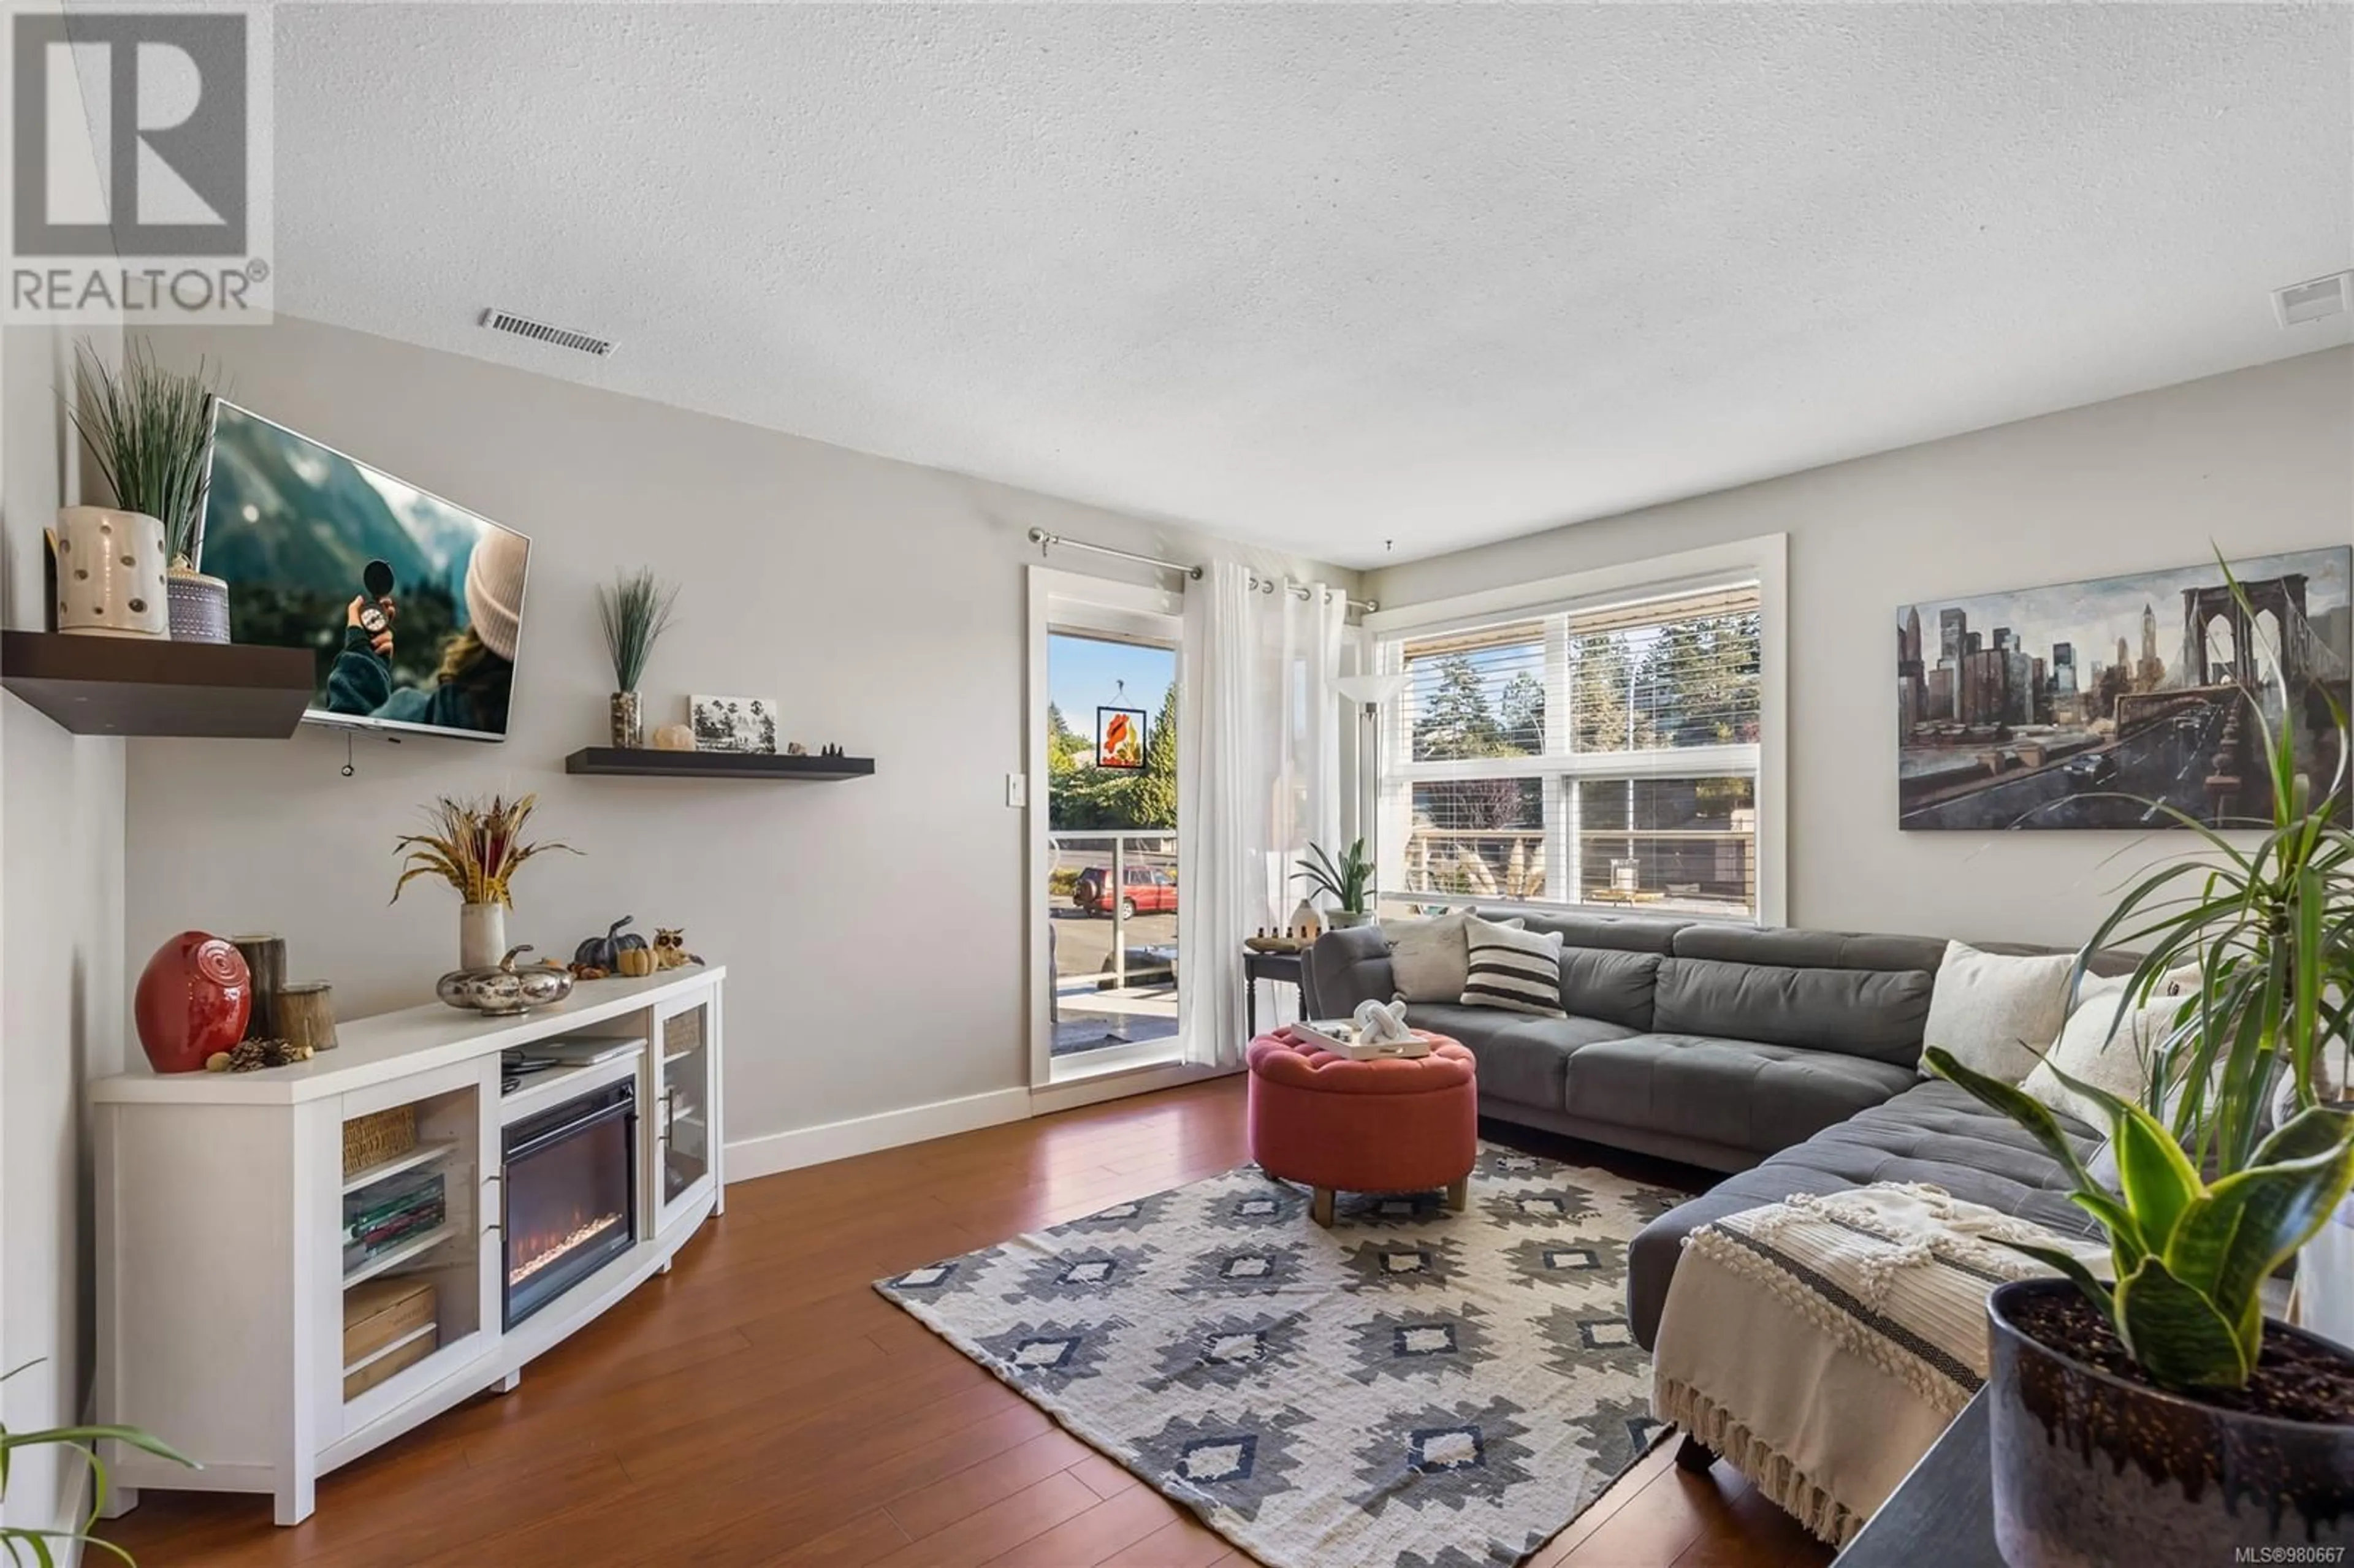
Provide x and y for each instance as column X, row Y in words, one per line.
column 2316, row 300
column 540, row 332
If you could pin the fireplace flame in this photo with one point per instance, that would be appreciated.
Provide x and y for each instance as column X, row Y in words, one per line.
column 539, row 1248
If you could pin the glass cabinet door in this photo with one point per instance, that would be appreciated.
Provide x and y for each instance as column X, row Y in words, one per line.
column 419, row 1240
column 682, row 1115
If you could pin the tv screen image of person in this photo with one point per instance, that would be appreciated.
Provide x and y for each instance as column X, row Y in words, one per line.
column 411, row 606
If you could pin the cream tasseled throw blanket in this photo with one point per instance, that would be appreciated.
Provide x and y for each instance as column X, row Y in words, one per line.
column 1823, row 1343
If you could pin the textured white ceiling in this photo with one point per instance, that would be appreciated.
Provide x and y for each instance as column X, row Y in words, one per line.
column 1324, row 278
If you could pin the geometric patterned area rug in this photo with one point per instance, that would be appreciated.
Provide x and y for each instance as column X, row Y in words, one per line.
column 1412, row 1387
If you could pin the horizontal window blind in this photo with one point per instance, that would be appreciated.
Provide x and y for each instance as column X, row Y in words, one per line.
column 1477, row 693
column 1680, row 672
column 1535, row 759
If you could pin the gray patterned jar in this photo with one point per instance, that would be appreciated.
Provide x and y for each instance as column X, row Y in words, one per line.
column 198, row 604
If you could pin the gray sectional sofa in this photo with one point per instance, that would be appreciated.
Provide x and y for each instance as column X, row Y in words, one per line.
column 1788, row 1058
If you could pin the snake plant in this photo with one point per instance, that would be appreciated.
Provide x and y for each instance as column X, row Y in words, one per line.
column 2208, row 1203
column 1346, row 879
column 2191, row 1255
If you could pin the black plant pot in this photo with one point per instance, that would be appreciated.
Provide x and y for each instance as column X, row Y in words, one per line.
column 2091, row 1471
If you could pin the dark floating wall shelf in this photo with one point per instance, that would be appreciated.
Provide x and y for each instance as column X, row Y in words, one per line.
column 647, row 763
column 139, row 685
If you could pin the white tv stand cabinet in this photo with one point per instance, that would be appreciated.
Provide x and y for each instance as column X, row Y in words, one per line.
column 220, row 1264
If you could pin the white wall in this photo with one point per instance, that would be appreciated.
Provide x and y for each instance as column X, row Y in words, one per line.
column 2260, row 460
column 61, row 981
column 873, row 929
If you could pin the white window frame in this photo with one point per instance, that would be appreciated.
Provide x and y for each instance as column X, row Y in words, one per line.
column 1086, row 606
column 1764, row 559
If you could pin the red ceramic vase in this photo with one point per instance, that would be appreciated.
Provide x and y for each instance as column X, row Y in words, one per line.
column 193, row 999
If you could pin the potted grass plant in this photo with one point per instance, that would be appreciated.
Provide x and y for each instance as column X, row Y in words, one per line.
column 26, row 1545
column 149, row 430
column 476, row 846
column 635, row 612
column 1346, row 881
column 2157, row 1414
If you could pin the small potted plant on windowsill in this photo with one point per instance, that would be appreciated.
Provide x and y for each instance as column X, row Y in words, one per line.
column 1346, row 882
column 2156, row 1415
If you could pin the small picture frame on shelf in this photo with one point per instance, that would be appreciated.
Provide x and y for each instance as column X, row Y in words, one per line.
column 745, row 726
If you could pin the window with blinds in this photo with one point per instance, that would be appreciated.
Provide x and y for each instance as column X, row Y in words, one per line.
column 1592, row 756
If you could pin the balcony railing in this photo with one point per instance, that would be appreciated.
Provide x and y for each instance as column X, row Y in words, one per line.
column 1704, row 871
column 1112, row 929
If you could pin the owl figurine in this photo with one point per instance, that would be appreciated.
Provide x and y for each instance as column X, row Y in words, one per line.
column 670, row 948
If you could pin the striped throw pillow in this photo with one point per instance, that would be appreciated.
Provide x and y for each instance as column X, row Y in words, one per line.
column 1512, row 968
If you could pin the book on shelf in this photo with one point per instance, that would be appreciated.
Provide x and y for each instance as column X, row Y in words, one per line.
column 376, row 1231
column 384, row 1215
column 391, row 1195
column 380, row 1242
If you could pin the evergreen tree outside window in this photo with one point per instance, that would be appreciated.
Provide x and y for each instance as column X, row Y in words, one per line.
column 1598, row 756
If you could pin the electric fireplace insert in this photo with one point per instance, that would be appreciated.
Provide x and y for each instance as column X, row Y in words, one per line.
column 570, row 1195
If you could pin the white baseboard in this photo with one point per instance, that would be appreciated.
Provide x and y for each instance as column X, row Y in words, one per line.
column 1094, row 1088
column 753, row 1157
column 73, row 1512
column 778, row 1151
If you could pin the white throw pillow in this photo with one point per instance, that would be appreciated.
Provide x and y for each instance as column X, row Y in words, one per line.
column 1996, row 1014
column 1512, row 968
column 2097, row 1047
column 1428, row 958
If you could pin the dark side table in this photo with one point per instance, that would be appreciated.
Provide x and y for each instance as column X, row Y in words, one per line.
column 1942, row 1515
column 1257, row 965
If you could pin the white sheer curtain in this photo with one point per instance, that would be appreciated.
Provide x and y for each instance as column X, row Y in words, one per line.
column 1259, row 776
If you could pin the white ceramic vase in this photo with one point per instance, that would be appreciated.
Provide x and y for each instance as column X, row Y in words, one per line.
column 482, row 935
column 110, row 572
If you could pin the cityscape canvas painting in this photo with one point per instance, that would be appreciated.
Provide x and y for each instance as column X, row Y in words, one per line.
column 2091, row 705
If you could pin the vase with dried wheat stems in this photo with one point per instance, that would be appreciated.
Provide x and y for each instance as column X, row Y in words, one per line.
column 476, row 846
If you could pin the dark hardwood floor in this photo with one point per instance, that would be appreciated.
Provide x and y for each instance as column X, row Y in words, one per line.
column 760, row 1407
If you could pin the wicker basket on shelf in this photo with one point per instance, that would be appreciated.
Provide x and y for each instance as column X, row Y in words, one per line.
column 380, row 1136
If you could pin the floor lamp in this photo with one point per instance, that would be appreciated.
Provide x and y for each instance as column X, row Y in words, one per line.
column 1369, row 692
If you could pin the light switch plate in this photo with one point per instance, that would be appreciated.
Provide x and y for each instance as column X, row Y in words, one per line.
column 1017, row 789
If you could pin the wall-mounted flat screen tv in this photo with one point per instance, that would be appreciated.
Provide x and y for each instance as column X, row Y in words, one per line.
column 411, row 606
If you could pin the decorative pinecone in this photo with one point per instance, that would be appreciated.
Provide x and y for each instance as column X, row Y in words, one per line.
column 252, row 1056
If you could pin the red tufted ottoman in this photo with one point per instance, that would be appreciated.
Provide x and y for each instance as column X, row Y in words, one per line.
column 1395, row 1125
